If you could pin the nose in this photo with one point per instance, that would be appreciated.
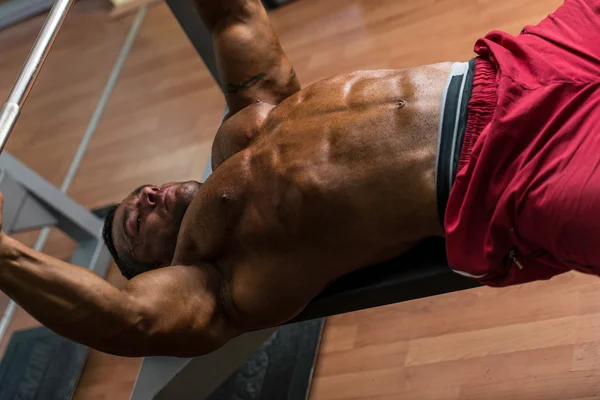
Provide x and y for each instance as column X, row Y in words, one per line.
column 149, row 196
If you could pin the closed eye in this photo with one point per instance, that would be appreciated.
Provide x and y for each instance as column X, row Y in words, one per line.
column 139, row 223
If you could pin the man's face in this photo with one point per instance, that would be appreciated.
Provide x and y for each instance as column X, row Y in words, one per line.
column 147, row 222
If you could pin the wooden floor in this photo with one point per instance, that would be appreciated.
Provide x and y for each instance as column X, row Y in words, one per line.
column 540, row 341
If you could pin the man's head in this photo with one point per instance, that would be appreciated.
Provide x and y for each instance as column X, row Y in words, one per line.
column 141, row 232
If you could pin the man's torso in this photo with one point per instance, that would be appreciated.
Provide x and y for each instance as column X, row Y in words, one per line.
column 341, row 176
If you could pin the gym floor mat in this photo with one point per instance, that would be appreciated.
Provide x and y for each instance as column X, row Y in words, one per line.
column 40, row 365
column 280, row 369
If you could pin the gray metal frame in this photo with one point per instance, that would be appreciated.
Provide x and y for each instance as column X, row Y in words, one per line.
column 28, row 196
column 195, row 378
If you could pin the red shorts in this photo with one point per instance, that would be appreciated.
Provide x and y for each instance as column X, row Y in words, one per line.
column 525, row 204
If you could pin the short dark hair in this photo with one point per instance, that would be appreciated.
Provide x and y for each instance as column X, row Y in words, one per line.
column 126, row 268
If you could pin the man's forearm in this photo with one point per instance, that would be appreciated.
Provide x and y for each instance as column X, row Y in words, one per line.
column 70, row 300
column 252, row 65
column 170, row 311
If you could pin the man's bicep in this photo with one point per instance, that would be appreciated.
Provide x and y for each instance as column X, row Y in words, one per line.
column 181, row 310
column 252, row 65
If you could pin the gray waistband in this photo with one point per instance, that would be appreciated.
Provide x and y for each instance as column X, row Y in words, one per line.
column 451, row 129
column 460, row 69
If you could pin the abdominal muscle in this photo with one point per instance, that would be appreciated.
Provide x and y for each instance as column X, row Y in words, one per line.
column 350, row 165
